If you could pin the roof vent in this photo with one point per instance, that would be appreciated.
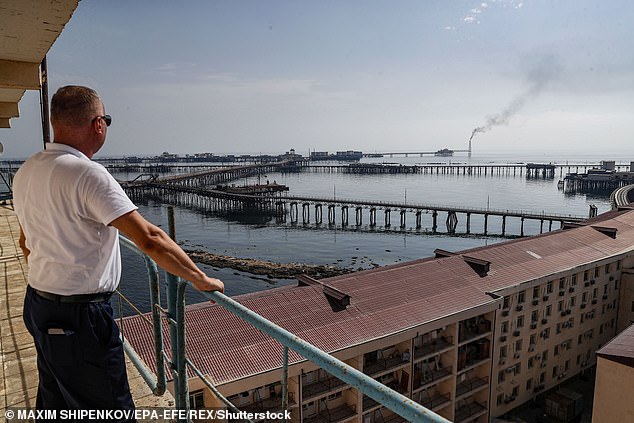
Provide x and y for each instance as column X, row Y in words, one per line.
column 338, row 300
column 611, row 232
column 572, row 225
column 480, row 266
column 440, row 253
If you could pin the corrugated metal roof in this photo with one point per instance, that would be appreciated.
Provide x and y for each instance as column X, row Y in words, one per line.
column 621, row 348
column 384, row 300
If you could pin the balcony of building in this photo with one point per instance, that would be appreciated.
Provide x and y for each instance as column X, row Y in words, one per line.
column 473, row 328
column 431, row 347
column 271, row 404
column 473, row 354
column 393, row 381
column 340, row 414
column 325, row 386
column 383, row 361
column 470, row 386
column 470, row 411
column 433, row 399
column 426, row 374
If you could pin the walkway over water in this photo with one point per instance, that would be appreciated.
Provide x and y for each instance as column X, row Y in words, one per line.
column 17, row 352
column 284, row 205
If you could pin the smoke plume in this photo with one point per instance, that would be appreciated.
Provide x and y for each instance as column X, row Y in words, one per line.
column 538, row 79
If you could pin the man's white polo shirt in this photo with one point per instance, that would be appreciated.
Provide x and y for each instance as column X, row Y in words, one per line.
column 65, row 202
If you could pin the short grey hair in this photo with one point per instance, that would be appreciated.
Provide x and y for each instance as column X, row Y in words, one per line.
column 74, row 105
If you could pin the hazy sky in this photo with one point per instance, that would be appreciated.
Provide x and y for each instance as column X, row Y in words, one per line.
column 266, row 76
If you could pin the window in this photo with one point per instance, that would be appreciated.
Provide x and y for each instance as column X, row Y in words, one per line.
column 560, row 305
column 507, row 300
column 594, row 294
column 555, row 371
column 518, row 345
column 556, row 353
column 572, row 301
column 584, row 297
column 596, row 272
column 566, row 365
column 500, row 399
column 529, row 384
column 579, row 339
column 558, row 330
column 607, row 268
column 530, row 363
column 605, row 289
column 520, row 321
column 542, row 377
column 534, row 316
column 505, row 327
column 585, row 276
column 197, row 400
column 503, row 350
column 562, row 284
column 573, row 280
column 516, row 391
column 549, row 310
column 532, row 339
column 618, row 265
column 549, row 287
column 536, row 292
column 501, row 376
column 521, row 297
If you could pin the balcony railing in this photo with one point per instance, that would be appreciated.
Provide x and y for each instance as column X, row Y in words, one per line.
column 474, row 330
column 430, row 376
column 433, row 347
column 470, row 385
column 435, row 401
column 315, row 389
column 180, row 363
column 383, row 365
column 338, row 414
column 469, row 411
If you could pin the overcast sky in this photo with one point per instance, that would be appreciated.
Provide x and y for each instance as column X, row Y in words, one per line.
column 266, row 76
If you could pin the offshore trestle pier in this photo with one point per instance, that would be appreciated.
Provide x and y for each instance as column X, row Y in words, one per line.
column 347, row 213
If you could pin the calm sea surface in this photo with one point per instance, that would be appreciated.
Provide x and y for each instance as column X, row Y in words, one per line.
column 261, row 238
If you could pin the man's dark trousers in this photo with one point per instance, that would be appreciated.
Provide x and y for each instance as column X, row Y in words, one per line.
column 79, row 355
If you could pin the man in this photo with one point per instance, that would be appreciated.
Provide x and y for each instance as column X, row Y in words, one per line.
column 70, row 211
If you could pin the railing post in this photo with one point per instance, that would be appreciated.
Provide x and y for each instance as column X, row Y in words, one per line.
column 176, row 310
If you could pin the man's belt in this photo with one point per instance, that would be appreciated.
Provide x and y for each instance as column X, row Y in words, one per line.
column 99, row 297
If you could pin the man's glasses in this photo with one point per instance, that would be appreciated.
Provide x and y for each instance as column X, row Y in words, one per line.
column 107, row 118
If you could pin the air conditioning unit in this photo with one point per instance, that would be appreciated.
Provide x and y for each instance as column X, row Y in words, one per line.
column 544, row 321
column 503, row 338
column 571, row 289
column 534, row 325
column 519, row 307
column 592, row 282
column 502, row 361
column 583, row 305
column 531, row 348
column 545, row 298
column 516, row 355
column 505, row 313
column 535, row 301
column 516, row 333
column 543, row 365
column 586, row 284
column 562, row 293
column 510, row 370
column 605, row 297
column 611, row 278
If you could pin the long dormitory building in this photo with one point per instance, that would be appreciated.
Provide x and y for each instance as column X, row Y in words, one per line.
column 470, row 335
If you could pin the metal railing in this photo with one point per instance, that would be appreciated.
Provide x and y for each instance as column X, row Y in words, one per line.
column 175, row 313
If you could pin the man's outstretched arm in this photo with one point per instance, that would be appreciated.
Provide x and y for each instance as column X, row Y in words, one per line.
column 154, row 242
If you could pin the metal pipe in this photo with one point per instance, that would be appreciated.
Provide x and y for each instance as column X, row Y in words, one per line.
column 46, row 132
